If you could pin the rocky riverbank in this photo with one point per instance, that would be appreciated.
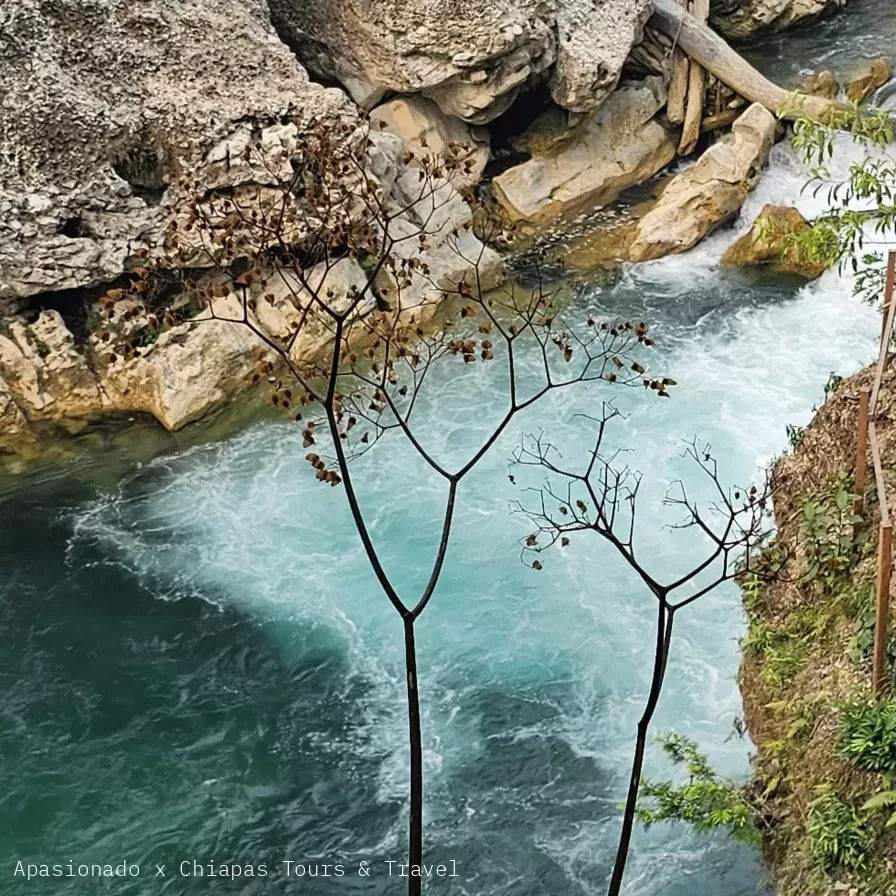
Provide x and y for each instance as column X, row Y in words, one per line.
column 115, row 114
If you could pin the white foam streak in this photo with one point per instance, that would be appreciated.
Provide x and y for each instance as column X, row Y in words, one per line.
column 243, row 522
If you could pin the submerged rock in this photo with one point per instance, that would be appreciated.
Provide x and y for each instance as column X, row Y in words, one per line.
column 767, row 243
column 471, row 57
column 617, row 146
column 822, row 84
column 862, row 86
column 709, row 192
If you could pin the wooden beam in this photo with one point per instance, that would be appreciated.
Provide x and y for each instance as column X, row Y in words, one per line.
column 882, row 619
column 861, row 480
column 888, row 291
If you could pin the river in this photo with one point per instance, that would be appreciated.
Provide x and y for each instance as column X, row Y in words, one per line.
column 198, row 665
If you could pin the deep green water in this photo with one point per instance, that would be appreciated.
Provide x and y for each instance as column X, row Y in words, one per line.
column 198, row 665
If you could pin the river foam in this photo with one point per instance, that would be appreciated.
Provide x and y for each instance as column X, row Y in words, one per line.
column 532, row 682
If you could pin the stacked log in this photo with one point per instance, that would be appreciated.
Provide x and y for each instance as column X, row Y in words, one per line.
column 693, row 116
column 709, row 83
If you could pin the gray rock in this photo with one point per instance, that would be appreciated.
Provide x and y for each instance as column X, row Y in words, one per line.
column 106, row 104
column 472, row 57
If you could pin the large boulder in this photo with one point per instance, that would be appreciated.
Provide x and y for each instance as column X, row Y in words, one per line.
column 107, row 104
column 709, row 192
column 46, row 376
column 768, row 243
column 425, row 129
column 187, row 371
column 472, row 57
column 739, row 19
column 619, row 145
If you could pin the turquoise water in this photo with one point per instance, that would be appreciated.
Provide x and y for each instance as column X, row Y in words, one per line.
column 199, row 667
column 198, row 664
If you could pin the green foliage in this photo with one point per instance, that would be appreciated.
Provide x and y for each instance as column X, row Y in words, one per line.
column 826, row 535
column 836, row 833
column 863, row 202
column 883, row 801
column 835, row 381
column 707, row 800
column 860, row 605
column 801, row 712
column 868, row 735
column 795, row 435
column 785, row 647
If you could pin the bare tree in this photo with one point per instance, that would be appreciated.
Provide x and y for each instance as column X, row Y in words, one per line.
column 356, row 281
column 601, row 498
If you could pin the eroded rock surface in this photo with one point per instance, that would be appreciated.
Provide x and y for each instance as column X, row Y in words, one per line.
column 425, row 129
column 741, row 19
column 617, row 146
column 472, row 57
column 106, row 104
column 706, row 195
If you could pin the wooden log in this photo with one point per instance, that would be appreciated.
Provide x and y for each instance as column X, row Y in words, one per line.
column 693, row 116
column 662, row 39
column 678, row 84
column 648, row 62
column 706, row 48
column 720, row 120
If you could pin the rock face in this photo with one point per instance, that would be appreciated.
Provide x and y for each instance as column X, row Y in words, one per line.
column 471, row 57
column 113, row 115
column 106, row 104
column 861, row 87
column 705, row 195
column 740, row 19
column 614, row 148
column 767, row 244
column 44, row 373
column 424, row 128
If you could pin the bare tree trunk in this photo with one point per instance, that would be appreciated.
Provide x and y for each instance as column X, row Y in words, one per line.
column 690, row 132
column 665, row 617
column 415, row 840
column 705, row 47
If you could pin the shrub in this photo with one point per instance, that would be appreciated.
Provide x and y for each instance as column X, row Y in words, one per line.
column 826, row 533
column 706, row 801
column 883, row 801
column 837, row 835
column 868, row 735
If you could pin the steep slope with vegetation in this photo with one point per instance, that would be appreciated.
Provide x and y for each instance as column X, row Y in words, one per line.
column 826, row 751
